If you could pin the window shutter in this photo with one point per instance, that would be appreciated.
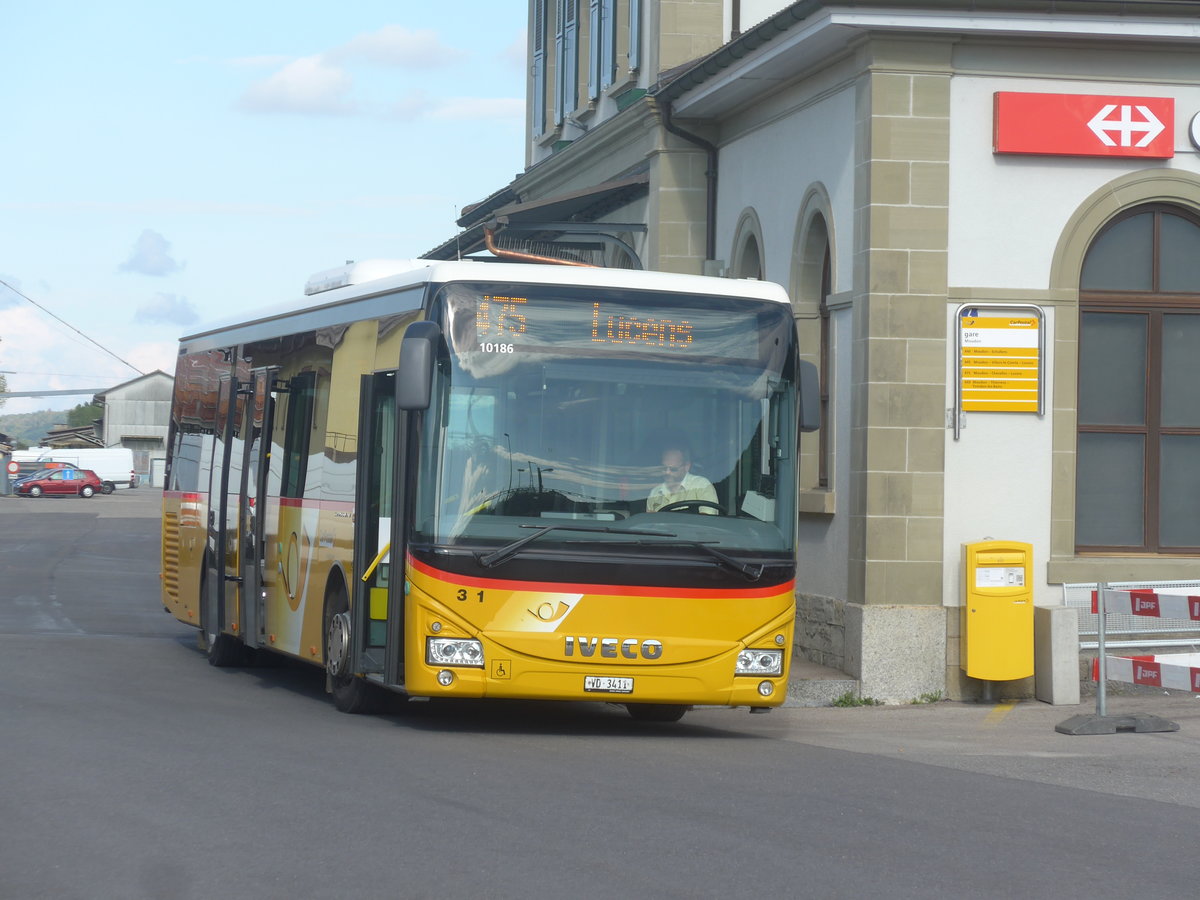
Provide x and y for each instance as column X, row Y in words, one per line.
column 594, row 45
column 538, row 72
column 608, row 43
column 567, row 55
column 635, row 33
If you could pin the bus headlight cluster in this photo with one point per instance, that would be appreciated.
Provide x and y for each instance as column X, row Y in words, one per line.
column 759, row 662
column 453, row 652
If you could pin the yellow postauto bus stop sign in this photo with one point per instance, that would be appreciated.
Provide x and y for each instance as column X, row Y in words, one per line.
column 1000, row 366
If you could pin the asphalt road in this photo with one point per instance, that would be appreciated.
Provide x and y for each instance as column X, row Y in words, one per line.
column 129, row 768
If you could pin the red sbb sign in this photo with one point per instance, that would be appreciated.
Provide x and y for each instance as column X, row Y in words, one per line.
column 1084, row 125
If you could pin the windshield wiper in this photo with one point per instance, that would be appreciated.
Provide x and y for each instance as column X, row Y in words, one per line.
column 752, row 571
column 509, row 550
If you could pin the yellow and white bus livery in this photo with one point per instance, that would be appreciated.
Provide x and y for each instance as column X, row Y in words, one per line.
column 435, row 478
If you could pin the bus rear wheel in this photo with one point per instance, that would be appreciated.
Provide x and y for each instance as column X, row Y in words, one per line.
column 351, row 694
column 656, row 712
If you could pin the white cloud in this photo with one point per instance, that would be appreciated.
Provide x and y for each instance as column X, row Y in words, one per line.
column 395, row 45
column 167, row 309
column 264, row 61
column 418, row 105
column 153, row 355
column 321, row 85
column 413, row 105
column 515, row 55
column 480, row 108
column 9, row 297
column 159, row 207
column 46, row 357
column 151, row 255
column 310, row 85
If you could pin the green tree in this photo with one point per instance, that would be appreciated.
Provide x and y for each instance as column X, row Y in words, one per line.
column 84, row 414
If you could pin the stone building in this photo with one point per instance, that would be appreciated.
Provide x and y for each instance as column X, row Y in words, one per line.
column 926, row 179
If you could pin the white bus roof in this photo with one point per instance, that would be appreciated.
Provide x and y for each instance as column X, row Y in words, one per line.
column 344, row 285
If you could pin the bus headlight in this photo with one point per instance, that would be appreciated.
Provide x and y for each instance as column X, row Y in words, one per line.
column 759, row 662
column 453, row 652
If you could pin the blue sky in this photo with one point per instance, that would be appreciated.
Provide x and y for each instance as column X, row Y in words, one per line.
column 164, row 165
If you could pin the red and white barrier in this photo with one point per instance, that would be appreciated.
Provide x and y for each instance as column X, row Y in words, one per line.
column 1177, row 671
column 1149, row 603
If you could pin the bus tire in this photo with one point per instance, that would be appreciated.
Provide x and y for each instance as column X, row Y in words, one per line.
column 223, row 650
column 656, row 712
column 351, row 694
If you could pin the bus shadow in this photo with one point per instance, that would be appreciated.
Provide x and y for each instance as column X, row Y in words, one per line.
column 274, row 672
column 543, row 717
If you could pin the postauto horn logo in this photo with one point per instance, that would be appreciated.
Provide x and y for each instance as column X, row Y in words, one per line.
column 630, row 648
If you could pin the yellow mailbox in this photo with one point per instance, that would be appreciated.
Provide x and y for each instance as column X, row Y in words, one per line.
column 997, row 610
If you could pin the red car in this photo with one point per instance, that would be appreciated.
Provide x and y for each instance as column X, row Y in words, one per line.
column 69, row 481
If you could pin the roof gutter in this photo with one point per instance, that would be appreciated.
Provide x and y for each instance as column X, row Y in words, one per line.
column 489, row 240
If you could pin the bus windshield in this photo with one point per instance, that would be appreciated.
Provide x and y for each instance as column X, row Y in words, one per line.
column 613, row 416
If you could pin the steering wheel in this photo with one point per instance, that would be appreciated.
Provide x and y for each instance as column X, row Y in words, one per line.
column 691, row 506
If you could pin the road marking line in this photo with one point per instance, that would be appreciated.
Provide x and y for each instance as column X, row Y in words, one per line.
column 996, row 716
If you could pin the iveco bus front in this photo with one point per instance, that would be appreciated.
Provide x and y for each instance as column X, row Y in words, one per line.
column 536, row 568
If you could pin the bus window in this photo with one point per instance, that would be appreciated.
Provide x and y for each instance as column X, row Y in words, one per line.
column 299, row 399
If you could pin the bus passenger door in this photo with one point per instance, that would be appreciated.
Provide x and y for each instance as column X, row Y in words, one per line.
column 233, row 480
column 219, row 603
column 257, row 415
column 375, row 509
column 379, row 566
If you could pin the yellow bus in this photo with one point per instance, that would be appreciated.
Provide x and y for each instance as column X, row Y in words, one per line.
column 496, row 480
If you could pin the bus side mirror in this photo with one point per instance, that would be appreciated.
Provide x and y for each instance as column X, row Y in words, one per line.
column 418, row 356
column 810, row 395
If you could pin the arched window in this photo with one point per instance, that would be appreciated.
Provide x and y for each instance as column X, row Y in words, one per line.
column 812, row 287
column 823, row 367
column 749, row 261
column 1137, row 482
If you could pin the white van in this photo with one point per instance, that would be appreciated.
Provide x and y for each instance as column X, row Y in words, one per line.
column 114, row 465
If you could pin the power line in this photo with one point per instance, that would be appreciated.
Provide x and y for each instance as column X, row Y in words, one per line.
column 51, row 374
column 72, row 327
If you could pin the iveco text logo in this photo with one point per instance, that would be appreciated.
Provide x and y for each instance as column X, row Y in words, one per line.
column 609, row 647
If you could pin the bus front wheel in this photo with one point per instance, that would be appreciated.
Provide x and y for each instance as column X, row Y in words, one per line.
column 656, row 712
column 351, row 694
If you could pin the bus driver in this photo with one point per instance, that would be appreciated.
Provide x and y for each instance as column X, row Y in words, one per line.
column 680, row 484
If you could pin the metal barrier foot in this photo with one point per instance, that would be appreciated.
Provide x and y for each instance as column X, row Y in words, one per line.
column 1112, row 724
